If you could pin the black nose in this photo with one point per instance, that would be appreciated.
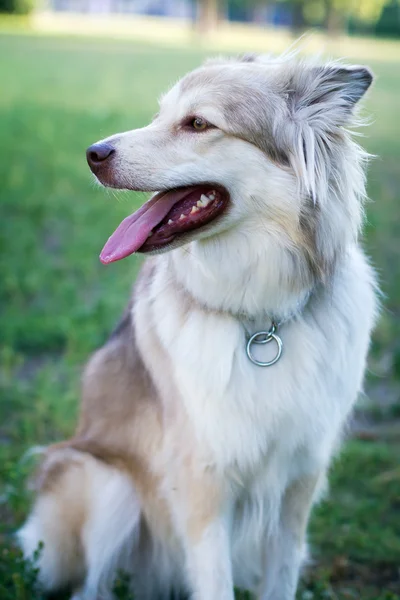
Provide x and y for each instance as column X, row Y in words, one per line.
column 98, row 154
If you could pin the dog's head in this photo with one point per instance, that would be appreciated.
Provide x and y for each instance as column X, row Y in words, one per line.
column 255, row 144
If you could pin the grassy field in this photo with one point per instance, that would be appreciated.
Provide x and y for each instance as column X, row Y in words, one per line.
column 58, row 95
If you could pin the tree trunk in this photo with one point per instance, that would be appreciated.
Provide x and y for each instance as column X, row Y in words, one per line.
column 297, row 17
column 333, row 19
column 207, row 15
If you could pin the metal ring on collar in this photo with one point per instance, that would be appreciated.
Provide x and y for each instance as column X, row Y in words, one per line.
column 269, row 336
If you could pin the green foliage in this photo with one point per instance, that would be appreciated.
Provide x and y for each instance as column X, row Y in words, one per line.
column 19, row 7
column 18, row 576
column 361, row 515
column 122, row 586
column 388, row 24
column 356, row 14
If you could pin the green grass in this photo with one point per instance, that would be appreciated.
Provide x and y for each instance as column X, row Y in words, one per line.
column 58, row 302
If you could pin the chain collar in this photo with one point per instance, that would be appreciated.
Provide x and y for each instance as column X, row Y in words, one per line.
column 264, row 337
column 271, row 335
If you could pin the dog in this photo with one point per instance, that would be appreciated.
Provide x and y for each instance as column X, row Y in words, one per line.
column 210, row 417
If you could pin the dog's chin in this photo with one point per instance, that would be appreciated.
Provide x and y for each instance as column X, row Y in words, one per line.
column 171, row 218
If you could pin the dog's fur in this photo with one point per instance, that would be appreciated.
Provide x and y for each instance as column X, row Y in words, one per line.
column 192, row 468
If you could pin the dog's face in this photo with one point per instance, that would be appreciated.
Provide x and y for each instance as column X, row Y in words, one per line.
column 237, row 144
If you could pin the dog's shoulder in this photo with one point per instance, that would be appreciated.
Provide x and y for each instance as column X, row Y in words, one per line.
column 116, row 384
column 124, row 331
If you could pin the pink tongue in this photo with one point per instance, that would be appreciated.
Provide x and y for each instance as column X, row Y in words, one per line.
column 132, row 233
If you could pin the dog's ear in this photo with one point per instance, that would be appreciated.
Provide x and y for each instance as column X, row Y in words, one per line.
column 329, row 91
column 321, row 100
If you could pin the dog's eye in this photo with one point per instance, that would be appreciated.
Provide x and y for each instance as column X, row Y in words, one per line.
column 196, row 124
column 199, row 124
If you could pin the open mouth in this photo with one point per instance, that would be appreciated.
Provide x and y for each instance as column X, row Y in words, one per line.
column 163, row 218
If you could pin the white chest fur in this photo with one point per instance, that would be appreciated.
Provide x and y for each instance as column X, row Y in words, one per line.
column 241, row 412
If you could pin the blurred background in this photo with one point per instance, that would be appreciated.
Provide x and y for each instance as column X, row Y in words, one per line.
column 75, row 71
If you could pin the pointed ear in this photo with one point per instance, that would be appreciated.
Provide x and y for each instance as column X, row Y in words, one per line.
column 321, row 101
column 350, row 82
column 331, row 90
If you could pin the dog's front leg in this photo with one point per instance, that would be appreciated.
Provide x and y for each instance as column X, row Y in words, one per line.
column 209, row 564
column 202, row 519
column 285, row 549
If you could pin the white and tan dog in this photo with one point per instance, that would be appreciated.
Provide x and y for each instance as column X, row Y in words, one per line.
column 194, row 468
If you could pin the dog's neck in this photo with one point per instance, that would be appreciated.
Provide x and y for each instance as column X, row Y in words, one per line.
column 255, row 279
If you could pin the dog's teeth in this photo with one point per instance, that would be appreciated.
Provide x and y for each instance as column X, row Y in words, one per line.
column 181, row 217
column 211, row 196
column 204, row 200
column 194, row 210
column 170, row 222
